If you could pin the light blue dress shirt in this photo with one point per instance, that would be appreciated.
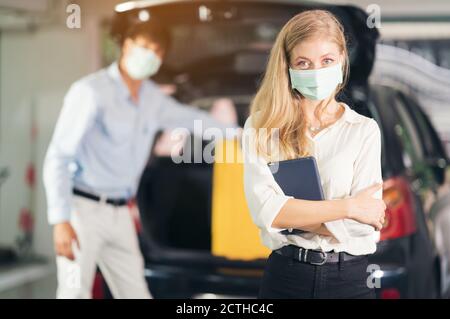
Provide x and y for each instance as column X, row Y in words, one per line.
column 102, row 139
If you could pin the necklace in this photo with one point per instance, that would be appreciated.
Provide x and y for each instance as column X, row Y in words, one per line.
column 314, row 129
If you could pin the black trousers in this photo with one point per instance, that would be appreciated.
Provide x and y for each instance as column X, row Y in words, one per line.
column 286, row 278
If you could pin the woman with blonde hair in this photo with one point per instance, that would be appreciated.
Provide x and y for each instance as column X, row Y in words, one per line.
column 296, row 108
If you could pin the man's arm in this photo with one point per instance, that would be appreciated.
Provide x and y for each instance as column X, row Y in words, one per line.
column 76, row 117
column 174, row 115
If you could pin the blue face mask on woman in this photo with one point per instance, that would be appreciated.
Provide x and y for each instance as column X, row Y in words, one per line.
column 142, row 63
column 316, row 84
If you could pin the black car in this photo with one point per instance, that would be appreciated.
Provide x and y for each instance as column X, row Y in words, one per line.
column 220, row 48
column 414, row 166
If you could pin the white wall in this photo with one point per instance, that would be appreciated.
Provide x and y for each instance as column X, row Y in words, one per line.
column 36, row 69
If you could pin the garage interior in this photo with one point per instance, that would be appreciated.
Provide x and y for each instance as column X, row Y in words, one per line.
column 40, row 57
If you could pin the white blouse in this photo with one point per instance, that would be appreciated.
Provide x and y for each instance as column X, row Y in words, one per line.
column 348, row 155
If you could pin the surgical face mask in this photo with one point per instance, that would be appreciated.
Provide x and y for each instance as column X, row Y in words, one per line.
column 142, row 63
column 316, row 84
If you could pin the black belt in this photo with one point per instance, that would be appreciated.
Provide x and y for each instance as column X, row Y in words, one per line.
column 111, row 201
column 315, row 257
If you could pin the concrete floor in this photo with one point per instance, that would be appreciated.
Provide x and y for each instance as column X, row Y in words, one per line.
column 28, row 281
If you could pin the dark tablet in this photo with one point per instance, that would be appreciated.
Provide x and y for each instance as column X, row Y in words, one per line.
column 298, row 178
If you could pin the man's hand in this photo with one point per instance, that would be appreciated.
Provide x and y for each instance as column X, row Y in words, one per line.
column 63, row 237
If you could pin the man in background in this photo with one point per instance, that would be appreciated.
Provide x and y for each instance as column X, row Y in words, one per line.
column 94, row 163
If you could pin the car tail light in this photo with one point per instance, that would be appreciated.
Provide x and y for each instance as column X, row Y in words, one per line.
column 97, row 288
column 390, row 293
column 400, row 219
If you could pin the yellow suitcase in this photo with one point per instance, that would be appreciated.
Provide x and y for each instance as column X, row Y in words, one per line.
column 234, row 235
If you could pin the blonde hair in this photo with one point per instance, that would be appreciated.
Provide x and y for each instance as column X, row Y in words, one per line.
column 278, row 106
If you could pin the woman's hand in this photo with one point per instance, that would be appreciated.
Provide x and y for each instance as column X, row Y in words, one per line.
column 366, row 209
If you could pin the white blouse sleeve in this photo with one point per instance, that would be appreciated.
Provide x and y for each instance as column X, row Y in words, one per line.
column 264, row 196
column 366, row 172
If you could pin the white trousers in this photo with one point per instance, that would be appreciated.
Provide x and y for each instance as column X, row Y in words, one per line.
column 108, row 239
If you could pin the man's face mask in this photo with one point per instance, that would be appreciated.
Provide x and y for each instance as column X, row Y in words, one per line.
column 316, row 84
column 142, row 63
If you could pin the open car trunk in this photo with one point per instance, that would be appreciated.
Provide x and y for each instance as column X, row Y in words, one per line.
column 220, row 49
